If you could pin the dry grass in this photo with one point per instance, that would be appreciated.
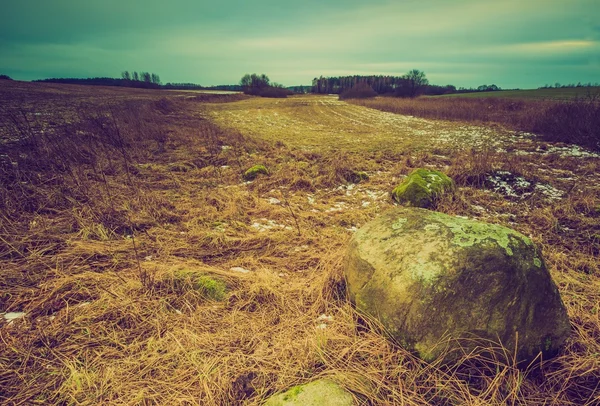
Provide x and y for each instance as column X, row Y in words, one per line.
column 124, row 253
column 574, row 121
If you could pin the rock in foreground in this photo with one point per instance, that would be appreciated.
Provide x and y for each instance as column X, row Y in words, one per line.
column 318, row 393
column 434, row 280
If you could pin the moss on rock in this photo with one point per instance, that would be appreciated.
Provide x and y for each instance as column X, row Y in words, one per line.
column 422, row 187
column 322, row 392
column 253, row 172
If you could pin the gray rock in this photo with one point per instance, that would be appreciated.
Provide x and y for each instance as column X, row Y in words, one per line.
column 438, row 282
column 322, row 392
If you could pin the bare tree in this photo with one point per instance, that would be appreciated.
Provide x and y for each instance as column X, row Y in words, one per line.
column 416, row 82
column 146, row 77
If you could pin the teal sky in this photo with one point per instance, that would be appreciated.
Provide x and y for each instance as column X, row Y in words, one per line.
column 512, row 43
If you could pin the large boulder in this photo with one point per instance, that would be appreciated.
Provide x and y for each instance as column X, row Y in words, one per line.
column 322, row 392
column 437, row 282
column 422, row 187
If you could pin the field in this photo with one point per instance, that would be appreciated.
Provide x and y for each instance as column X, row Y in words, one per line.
column 545, row 94
column 575, row 121
column 138, row 267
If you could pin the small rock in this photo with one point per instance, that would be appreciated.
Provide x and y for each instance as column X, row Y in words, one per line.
column 253, row 172
column 422, row 187
column 239, row 269
column 9, row 317
column 325, row 318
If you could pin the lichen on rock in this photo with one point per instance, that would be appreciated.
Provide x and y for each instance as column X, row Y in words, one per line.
column 422, row 187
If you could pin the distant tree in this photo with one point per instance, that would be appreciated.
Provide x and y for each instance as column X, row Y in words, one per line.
column 254, row 83
column 488, row 88
column 155, row 79
column 5, row 77
column 126, row 75
column 135, row 76
column 416, row 81
column 146, row 77
column 260, row 85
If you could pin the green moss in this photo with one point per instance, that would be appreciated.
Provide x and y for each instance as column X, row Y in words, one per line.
column 537, row 262
column 422, row 187
column 253, row 172
column 292, row 393
column 209, row 288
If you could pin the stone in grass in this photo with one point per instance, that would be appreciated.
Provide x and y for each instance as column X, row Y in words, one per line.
column 356, row 176
column 440, row 283
column 422, row 187
column 253, row 172
column 322, row 392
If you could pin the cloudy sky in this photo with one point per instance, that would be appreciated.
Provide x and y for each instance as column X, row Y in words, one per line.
column 512, row 43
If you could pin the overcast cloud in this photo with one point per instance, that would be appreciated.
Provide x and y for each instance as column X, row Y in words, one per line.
column 512, row 43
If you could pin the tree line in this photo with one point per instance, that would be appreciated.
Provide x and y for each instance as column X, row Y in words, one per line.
column 412, row 84
column 569, row 86
column 144, row 80
column 145, row 77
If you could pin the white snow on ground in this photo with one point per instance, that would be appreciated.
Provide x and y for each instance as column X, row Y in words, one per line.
column 239, row 269
column 518, row 187
column 266, row 225
column 11, row 316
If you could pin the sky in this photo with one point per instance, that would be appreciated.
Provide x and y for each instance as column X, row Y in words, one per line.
column 467, row 43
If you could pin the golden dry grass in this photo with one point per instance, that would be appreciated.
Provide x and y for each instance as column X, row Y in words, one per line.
column 109, row 257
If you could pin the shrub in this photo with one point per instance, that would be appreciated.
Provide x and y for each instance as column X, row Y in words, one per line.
column 5, row 77
column 360, row 90
column 274, row 92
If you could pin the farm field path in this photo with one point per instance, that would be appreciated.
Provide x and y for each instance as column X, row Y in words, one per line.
column 314, row 122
